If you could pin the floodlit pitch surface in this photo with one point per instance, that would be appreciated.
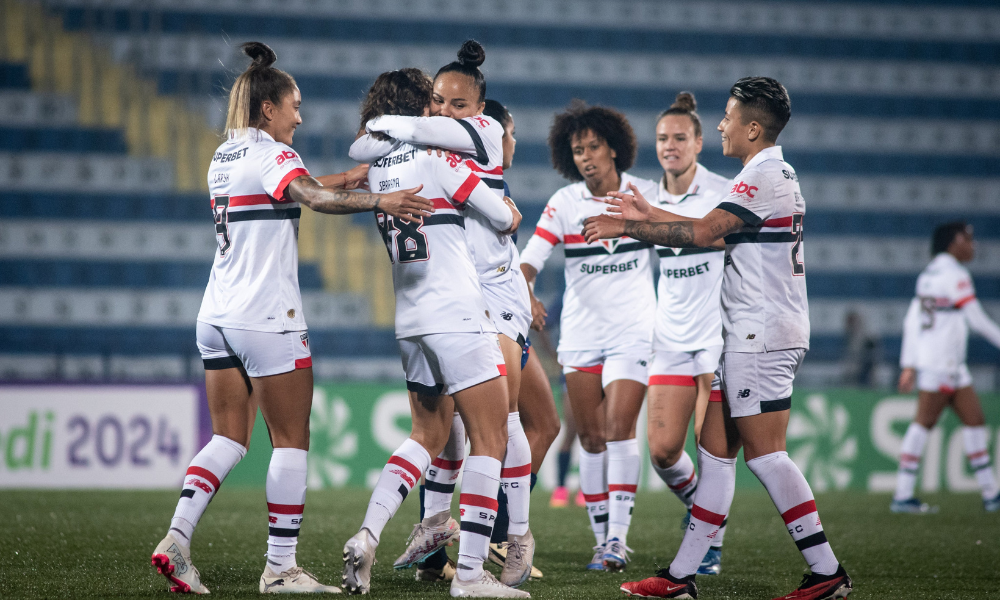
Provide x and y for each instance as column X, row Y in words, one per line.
column 97, row 544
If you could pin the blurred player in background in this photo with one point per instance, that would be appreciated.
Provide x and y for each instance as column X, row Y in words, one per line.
column 607, row 316
column 687, row 339
column 447, row 341
column 766, row 320
column 251, row 331
column 457, row 123
column 935, row 339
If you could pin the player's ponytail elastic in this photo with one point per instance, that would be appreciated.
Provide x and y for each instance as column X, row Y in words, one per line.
column 685, row 104
column 258, row 83
column 470, row 57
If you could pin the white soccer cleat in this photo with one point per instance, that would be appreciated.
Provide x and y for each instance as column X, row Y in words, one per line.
column 359, row 556
column 520, row 555
column 173, row 561
column 498, row 556
column 429, row 536
column 486, row 586
column 616, row 555
column 293, row 581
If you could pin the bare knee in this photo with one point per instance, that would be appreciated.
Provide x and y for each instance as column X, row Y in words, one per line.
column 489, row 441
column 664, row 456
column 592, row 442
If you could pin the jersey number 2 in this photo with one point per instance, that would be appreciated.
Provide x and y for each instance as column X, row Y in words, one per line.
column 798, row 267
column 410, row 242
column 221, row 213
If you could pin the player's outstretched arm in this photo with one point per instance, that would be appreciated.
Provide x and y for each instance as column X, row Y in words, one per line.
column 668, row 230
column 908, row 351
column 404, row 204
column 356, row 178
column 440, row 132
column 980, row 322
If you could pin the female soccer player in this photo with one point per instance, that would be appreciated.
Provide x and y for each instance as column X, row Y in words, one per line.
column 687, row 338
column 607, row 315
column 251, row 331
column 447, row 340
column 935, row 335
column 458, row 124
column 765, row 314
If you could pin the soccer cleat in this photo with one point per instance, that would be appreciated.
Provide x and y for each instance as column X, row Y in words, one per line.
column 686, row 520
column 519, row 556
column 498, row 556
column 712, row 563
column 662, row 585
column 486, row 586
column 173, row 561
column 560, row 497
column 428, row 536
column 597, row 562
column 615, row 555
column 445, row 573
column 293, row 581
column 822, row 587
column 359, row 556
column 992, row 504
column 912, row 506
column 580, row 500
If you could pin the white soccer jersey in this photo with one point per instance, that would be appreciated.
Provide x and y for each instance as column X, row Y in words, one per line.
column 609, row 298
column 437, row 288
column 255, row 280
column 764, row 305
column 688, row 305
column 479, row 138
column 936, row 331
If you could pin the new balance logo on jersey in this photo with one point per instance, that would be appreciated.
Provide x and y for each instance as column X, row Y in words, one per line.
column 751, row 336
column 506, row 316
column 743, row 394
column 641, row 362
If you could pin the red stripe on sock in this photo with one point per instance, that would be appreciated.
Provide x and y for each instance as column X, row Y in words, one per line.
column 681, row 486
column 402, row 462
column 450, row 465
column 715, row 396
column 979, row 454
column 502, row 369
column 682, row 380
column 595, row 497
column 621, row 487
column 477, row 500
column 303, row 363
column 286, row 509
column 710, row 517
column 797, row 512
column 909, row 457
column 204, row 474
column 522, row 471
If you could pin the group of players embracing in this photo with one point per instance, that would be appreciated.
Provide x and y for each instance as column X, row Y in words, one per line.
column 730, row 260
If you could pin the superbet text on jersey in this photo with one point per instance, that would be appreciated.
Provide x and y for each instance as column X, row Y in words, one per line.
column 764, row 305
column 609, row 298
column 437, row 288
column 254, row 282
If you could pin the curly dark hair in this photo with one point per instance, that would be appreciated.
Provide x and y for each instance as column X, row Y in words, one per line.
column 402, row 92
column 606, row 123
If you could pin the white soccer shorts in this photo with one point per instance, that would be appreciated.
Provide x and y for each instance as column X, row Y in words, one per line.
column 945, row 382
column 625, row 361
column 446, row 363
column 680, row 367
column 262, row 353
column 509, row 306
column 759, row 382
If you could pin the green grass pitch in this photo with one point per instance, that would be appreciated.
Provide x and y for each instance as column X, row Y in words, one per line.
column 84, row 544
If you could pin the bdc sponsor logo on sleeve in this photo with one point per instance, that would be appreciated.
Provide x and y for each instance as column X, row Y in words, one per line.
column 744, row 190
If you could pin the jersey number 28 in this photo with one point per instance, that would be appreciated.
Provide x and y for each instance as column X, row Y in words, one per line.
column 220, row 210
column 410, row 243
column 798, row 267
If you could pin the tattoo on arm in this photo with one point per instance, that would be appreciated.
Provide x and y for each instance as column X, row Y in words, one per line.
column 354, row 201
column 675, row 234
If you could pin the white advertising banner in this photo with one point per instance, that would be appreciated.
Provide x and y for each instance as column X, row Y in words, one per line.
column 95, row 436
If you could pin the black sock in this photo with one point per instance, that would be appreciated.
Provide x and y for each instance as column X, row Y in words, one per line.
column 503, row 519
column 534, row 480
column 564, row 458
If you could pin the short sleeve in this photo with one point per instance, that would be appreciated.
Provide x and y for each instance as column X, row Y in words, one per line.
column 550, row 224
column 279, row 166
column 454, row 176
column 963, row 291
column 751, row 198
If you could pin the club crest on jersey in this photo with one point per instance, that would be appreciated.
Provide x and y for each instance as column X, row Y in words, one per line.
column 304, row 338
column 610, row 245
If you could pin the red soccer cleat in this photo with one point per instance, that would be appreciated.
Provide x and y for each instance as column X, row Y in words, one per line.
column 822, row 587
column 662, row 585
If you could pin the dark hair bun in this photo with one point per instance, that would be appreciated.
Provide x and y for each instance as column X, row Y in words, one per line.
column 261, row 54
column 472, row 54
column 685, row 101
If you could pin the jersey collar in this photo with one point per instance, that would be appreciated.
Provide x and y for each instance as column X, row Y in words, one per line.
column 772, row 153
column 253, row 134
column 693, row 189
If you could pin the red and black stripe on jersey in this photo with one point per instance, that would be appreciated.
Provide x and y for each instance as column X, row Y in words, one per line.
column 577, row 246
column 754, row 232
